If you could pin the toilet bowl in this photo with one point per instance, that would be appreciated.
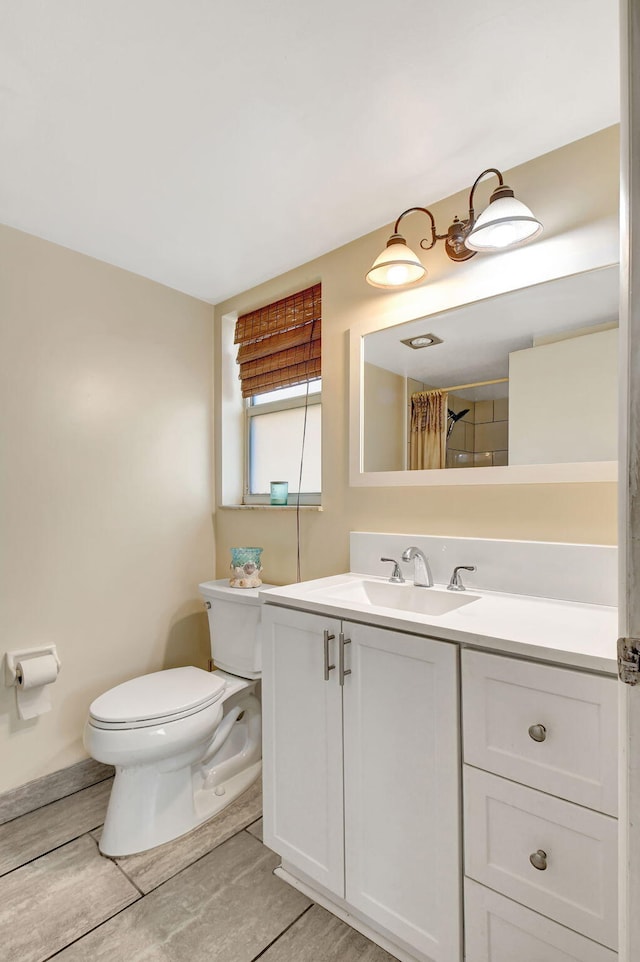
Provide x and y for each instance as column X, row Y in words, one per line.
column 184, row 742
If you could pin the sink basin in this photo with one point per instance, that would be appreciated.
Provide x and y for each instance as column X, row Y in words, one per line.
column 383, row 594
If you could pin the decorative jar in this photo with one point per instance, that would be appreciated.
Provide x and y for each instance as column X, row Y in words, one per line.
column 279, row 492
column 246, row 567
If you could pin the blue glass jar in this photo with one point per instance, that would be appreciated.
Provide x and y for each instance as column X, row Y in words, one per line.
column 279, row 492
column 246, row 567
column 243, row 556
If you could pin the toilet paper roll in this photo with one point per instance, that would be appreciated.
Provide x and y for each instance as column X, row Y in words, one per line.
column 32, row 675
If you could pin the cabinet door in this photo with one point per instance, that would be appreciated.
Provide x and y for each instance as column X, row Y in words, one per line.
column 302, row 745
column 402, row 787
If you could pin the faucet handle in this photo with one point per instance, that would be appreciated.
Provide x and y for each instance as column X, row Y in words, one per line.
column 397, row 577
column 456, row 581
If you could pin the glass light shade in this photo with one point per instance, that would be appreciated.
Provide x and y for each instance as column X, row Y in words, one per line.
column 397, row 266
column 506, row 222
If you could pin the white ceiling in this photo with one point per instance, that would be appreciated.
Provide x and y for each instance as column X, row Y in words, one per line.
column 212, row 144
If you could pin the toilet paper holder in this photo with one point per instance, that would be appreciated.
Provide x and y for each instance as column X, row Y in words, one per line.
column 13, row 657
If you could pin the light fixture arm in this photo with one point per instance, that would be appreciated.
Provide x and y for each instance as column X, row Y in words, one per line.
column 460, row 229
column 424, row 244
column 489, row 170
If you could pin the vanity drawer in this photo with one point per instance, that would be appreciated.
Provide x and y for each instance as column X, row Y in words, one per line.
column 508, row 828
column 499, row 930
column 551, row 728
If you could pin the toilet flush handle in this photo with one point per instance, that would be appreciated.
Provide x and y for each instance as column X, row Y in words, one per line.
column 207, row 604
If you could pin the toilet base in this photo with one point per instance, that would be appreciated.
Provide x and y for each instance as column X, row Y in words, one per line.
column 117, row 840
column 156, row 803
column 209, row 802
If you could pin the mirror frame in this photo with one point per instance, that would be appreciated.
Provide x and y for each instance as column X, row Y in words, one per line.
column 560, row 473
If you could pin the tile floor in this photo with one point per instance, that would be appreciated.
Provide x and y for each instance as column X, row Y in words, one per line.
column 208, row 897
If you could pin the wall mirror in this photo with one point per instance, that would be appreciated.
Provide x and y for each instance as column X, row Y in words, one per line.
column 529, row 389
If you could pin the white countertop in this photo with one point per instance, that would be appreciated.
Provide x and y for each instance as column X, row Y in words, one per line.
column 568, row 633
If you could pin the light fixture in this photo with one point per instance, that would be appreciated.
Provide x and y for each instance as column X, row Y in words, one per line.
column 422, row 340
column 506, row 222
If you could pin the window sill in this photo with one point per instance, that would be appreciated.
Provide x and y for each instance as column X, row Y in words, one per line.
column 269, row 507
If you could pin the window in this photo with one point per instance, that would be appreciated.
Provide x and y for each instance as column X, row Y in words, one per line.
column 279, row 359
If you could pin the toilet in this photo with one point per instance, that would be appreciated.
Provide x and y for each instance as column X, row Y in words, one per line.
column 184, row 742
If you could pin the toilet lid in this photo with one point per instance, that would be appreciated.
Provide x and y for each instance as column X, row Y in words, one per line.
column 162, row 694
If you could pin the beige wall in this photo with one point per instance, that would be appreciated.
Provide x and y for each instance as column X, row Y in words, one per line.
column 105, row 498
column 575, row 193
column 563, row 400
column 385, row 424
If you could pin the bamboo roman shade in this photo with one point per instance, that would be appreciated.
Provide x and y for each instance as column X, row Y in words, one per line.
column 280, row 344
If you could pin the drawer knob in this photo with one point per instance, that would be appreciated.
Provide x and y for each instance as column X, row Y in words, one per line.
column 539, row 860
column 538, row 733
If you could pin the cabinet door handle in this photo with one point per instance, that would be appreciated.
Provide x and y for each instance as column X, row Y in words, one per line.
column 539, row 860
column 342, row 671
column 327, row 666
column 538, row 733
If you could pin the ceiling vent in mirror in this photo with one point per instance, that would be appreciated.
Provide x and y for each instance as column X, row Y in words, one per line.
column 422, row 340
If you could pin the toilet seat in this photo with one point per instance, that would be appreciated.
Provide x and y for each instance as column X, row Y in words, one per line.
column 159, row 698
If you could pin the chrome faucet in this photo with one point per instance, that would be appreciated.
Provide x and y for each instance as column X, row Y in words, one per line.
column 456, row 581
column 397, row 578
column 422, row 577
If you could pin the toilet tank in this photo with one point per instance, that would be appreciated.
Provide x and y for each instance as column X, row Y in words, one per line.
column 234, row 627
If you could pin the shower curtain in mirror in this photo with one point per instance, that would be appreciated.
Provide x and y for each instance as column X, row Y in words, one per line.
column 428, row 437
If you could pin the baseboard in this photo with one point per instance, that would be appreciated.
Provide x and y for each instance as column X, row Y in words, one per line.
column 42, row 791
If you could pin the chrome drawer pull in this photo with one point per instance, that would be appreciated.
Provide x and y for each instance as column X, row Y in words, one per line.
column 538, row 733
column 327, row 666
column 539, row 860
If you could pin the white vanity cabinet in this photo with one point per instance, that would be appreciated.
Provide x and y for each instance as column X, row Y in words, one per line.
column 362, row 778
column 362, row 791
column 540, row 801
